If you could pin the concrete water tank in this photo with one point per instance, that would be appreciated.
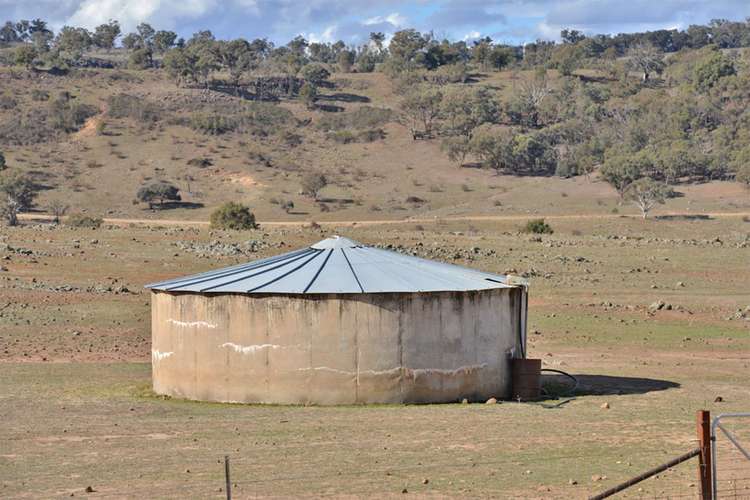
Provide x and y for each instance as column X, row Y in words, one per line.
column 337, row 323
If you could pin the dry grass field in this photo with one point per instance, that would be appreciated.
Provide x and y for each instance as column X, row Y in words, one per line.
column 652, row 316
column 77, row 408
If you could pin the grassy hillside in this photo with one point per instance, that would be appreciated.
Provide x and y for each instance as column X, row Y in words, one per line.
column 143, row 128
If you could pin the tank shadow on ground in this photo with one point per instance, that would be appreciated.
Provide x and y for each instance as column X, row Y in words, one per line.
column 598, row 385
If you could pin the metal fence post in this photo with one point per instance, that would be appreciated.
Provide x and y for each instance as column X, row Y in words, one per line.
column 704, row 459
column 226, row 475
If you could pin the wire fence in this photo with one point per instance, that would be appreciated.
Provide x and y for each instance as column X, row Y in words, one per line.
column 731, row 455
column 410, row 471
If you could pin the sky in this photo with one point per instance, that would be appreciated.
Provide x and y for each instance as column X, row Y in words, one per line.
column 505, row 21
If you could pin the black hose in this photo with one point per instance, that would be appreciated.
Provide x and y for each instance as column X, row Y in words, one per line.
column 569, row 394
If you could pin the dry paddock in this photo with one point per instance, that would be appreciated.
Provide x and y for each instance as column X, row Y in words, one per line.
column 77, row 411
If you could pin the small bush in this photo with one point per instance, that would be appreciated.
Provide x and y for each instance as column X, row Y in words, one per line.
column 39, row 95
column 233, row 215
column 212, row 124
column 200, row 162
column 537, row 226
column 136, row 108
column 366, row 117
column 84, row 221
column 7, row 102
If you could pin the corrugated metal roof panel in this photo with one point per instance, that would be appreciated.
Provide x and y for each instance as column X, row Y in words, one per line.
column 337, row 265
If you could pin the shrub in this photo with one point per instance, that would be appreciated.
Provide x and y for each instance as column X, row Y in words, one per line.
column 312, row 183
column 3, row 164
column 7, row 102
column 349, row 136
column 537, row 226
column 39, row 95
column 200, row 162
column 160, row 192
column 83, row 220
column 366, row 117
column 233, row 215
column 212, row 124
column 137, row 108
column 67, row 115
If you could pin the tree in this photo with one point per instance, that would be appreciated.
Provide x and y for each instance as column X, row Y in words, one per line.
column 19, row 192
column 345, row 60
column 131, row 41
column 238, row 57
column 206, row 61
column 146, row 34
column 314, row 73
column 105, row 35
column 180, row 64
column 234, row 216
column 158, row 192
column 421, row 108
column 524, row 106
column 457, row 148
column 58, row 209
column 406, row 45
column 26, row 55
column 711, row 69
column 493, row 146
column 645, row 193
column 465, row 108
column 142, row 58
column 313, row 183
column 499, row 57
column 621, row 168
column 309, row 94
column 377, row 38
column 743, row 175
column 645, row 58
column 8, row 33
column 571, row 36
column 164, row 40
column 72, row 42
column 40, row 35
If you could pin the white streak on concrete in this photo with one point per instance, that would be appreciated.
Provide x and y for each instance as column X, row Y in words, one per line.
column 157, row 355
column 407, row 372
column 191, row 324
column 458, row 371
column 250, row 349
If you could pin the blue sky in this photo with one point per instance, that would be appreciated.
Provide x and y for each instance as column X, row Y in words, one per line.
column 512, row 21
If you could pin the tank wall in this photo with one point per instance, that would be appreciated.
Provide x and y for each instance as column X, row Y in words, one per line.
column 335, row 349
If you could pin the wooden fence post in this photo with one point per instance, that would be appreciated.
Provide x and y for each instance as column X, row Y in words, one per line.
column 704, row 459
column 226, row 475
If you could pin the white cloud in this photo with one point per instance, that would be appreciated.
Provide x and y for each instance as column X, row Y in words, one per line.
column 91, row 13
column 472, row 35
column 394, row 18
column 327, row 36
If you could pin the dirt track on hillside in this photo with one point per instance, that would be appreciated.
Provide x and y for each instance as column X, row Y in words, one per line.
column 414, row 220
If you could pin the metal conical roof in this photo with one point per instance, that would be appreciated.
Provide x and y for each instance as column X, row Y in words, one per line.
column 336, row 265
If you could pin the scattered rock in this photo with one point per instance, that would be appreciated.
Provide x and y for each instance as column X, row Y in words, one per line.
column 425, row 481
column 491, row 401
column 719, row 399
column 604, row 406
column 89, row 489
column 572, row 482
column 464, row 401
